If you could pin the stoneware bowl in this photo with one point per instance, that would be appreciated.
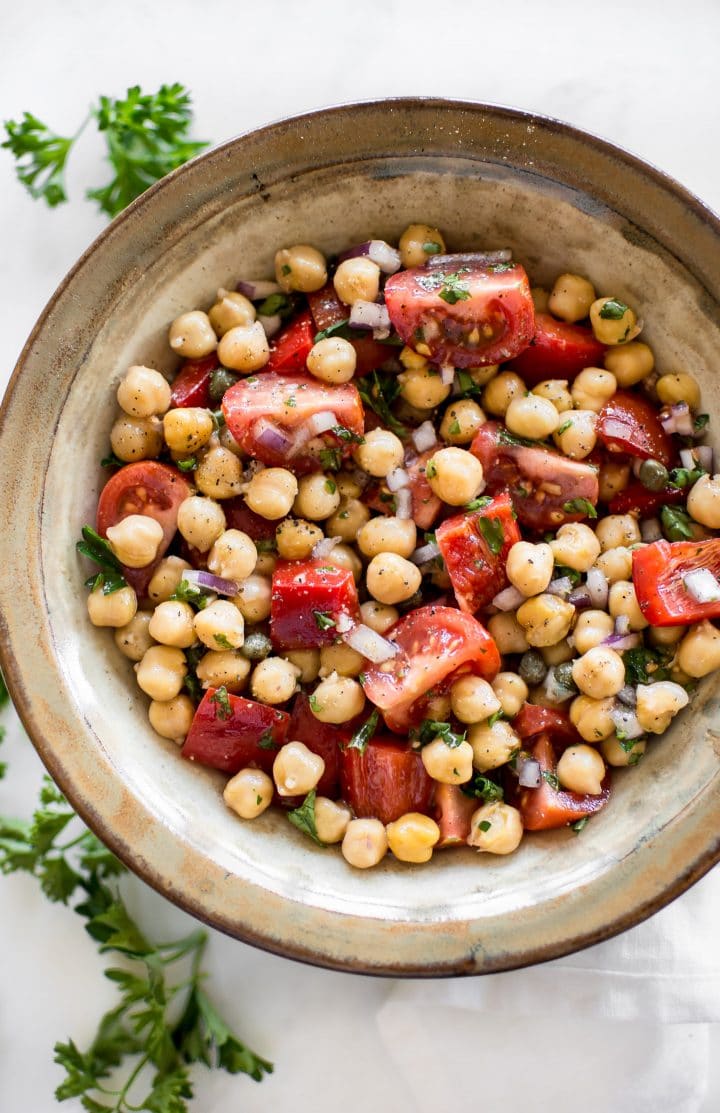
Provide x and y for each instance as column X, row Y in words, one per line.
column 488, row 177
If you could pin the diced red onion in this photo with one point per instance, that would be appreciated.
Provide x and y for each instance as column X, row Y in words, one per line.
column 425, row 553
column 370, row 315
column 509, row 599
column 620, row 642
column 207, row 582
column 325, row 547
column 678, row 419
column 471, row 259
column 687, row 458
column 626, row 722
column 257, row 289
column 321, row 422
column 622, row 625
column 702, row 586
column 397, row 479
column 528, row 770
column 447, row 374
column 706, row 457
column 273, row 438
column 598, row 588
column 424, row 437
column 370, row 644
column 271, row 325
column 580, row 598
column 562, row 587
column 386, row 257
column 403, row 503
column 628, row 696
column 651, row 530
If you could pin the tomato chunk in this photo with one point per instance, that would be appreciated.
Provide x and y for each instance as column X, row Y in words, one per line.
column 453, row 811
column 545, row 807
column 557, row 351
column 148, row 488
column 308, row 598
column 425, row 506
column 540, row 482
column 532, row 720
column 291, row 347
column 434, row 642
column 386, row 781
column 636, row 499
column 238, row 515
column 328, row 310
column 268, row 416
column 629, row 423
column 250, row 734
column 323, row 739
column 475, row 549
column 658, row 572
column 191, row 386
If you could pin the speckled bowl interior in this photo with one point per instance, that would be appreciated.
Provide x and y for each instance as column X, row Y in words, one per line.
column 489, row 178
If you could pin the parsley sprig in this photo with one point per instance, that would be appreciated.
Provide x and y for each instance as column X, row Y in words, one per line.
column 96, row 548
column 379, row 391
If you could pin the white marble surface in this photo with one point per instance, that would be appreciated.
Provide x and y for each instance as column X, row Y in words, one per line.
column 640, row 73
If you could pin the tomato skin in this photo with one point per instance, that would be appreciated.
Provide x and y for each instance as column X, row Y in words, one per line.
column 232, row 744
column 557, row 351
column 546, row 808
column 532, row 477
column 148, row 488
column 238, row 515
column 452, row 811
column 629, row 423
column 300, row 587
column 476, row 573
column 327, row 310
column 499, row 311
column 386, row 781
column 191, row 386
column 434, row 643
column 291, row 347
column 532, row 720
column 658, row 571
column 426, row 506
column 323, row 739
column 636, row 499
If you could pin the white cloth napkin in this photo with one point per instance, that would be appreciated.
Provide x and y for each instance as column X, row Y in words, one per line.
column 629, row 1026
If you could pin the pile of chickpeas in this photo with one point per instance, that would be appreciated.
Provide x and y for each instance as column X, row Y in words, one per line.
column 545, row 631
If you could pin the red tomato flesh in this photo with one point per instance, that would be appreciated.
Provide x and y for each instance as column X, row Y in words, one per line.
column 238, row 515
column 452, row 811
column 557, row 351
column 323, row 739
column 291, row 347
column 636, row 499
column 425, row 505
column 488, row 316
column 191, row 386
column 386, row 781
column 629, row 423
column 308, row 597
column 658, row 571
column 539, row 481
column 545, row 807
column 327, row 310
column 477, row 573
column 251, row 734
column 532, row 720
column 434, row 642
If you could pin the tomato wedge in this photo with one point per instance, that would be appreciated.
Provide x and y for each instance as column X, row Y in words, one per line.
column 434, row 642
column 291, row 347
column 532, row 720
column 249, row 733
column 658, row 572
column 452, row 811
column 475, row 549
column 545, row 807
column 148, row 488
column 636, row 499
column 466, row 315
column 557, row 351
column 425, row 506
column 540, row 482
column 629, row 423
column 308, row 599
column 191, row 386
column 386, row 781
column 328, row 310
column 268, row 414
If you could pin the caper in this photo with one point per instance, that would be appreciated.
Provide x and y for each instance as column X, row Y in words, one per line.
column 533, row 669
column 220, row 381
column 563, row 676
column 256, row 647
column 653, row 475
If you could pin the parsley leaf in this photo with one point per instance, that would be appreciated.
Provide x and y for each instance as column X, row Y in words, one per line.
column 492, row 530
column 484, row 825
column 41, row 156
column 700, row 422
column 580, row 824
column 112, row 461
column 430, row 247
column 484, row 788
column 222, row 641
column 454, row 428
column 267, row 742
column 275, row 305
column 580, row 506
column 331, row 330
column 188, row 464
column 379, row 391
column 478, row 504
column 506, row 437
column 304, row 818
column 613, row 310
column 676, row 523
column 363, row 734
column 643, row 666
column 323, row 620
column 430, row 729
column 97, row 549
column 346, row 435
column 551, row 779
column 187, row 592
column 330, row 459
column 221, row 699
column 453, row 290
column 564, row 427
column 314, row 702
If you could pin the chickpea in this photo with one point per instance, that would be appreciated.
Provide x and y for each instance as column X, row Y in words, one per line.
column 599, row 673
column 541, row 299
column 331, row 820
column 161, row 672
column 117, row 608
column 613, row 478
column 591, row 629
column 666, row 635
column 617, row 755
column 680, row 387
column 172, row 718
column 297, row 538
column 581, row 769
column 699, row 652
column 496, row 829
column 271, row 492
column 265, row 564
column 451, row 765
column 166, row 578
column 555, row 391
column 557, row 654
column 348, row 485
column 233, row 555
column 622, row 600
column 244, row 348
column 387, row 535
column 136, row 438
column 532, row 416
column 592, row 718
column 378, row 616
column 172, row 624
column 615, row 564
column 392, row 579
column 357, row 279
column 512, row 691
column 133, row 639
column 201, row 521
column 340, row 659
column 461, row 421
column 187, row 429
column 423, row 387
column 473, row 699
column 546, row 619
column 223, row 669
column 658, row 703
column 617, row 531
column 337, row 699
column 347, row 521
column 249, row 793
column 253, row 599
column 219, row 473
column 191, row 335
column 220, row 626
column 135, row 540
column 500, row 392
column 343, row 556
column 332, row 360
column 296, row 769
column 455, row 475
column 592, row 388
column 492, row 745
column 411, row 838
column 317, row 497
column 143, row 392
column 274, row 681
column 575, row 546
column 576, row 436
column 364, row 843
column 530, row 567
column 631, row 363
column 703, row 502
column 412, row 360
column 571, row 298
column 307, row 661
column 380, row 453
column 612, row 321
column 232, row 309
column 300, row 268
column 508, row 634
column 415, row 242
column 228, row 441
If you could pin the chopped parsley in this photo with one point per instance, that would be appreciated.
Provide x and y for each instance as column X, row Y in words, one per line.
column 430, row 729
column 186, row 592
column 453, row 289
column 430, row 469
column 266, row 545
column 430, row 247
column 222, row 641
column 580, row 506
column 643, row 666
column 346, row 435
column 286, row 270
column 112, row 461
column 290, row 402
column 492, row 530
column 275, row 304
column 379, row 391
column 483, row 788
column 330, row 486
column 189, row 464
column 685, row 477
column 330, row 459
column 220, row 698
column 363, row 734
column 484, row 825
column 110, row 577
column 613, row 310
column 454, row 428
column 331, row 330
column 561, row 572
column 477, row 504
column 676, row 523
column 564, row 427
column 506, row 437
column 580, row 824
column 700, row 422
column 304, row 818
column 551, row 779
column 495, row 717
column 314, row 702
column 267, row 742
column 323, row 620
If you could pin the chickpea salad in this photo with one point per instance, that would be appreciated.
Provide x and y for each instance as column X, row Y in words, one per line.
column 409, row 548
